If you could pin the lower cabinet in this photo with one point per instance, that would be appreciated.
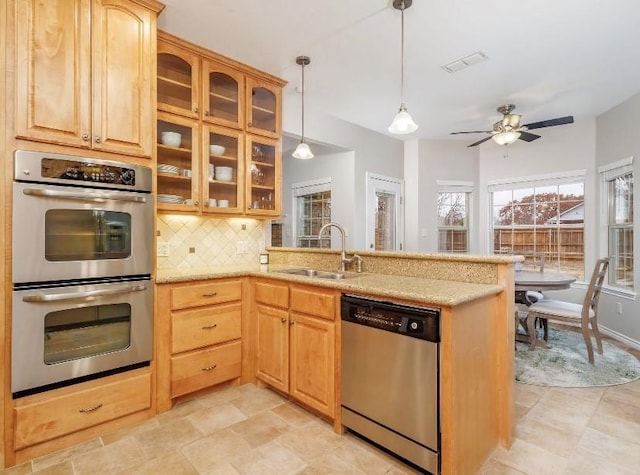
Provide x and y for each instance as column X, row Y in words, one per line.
column 48, row 416
column 296, row 341
column 198, row 337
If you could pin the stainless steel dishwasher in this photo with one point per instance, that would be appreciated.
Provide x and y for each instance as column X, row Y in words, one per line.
column 390, row 361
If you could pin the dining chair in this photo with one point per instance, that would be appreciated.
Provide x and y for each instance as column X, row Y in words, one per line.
column 567, row 312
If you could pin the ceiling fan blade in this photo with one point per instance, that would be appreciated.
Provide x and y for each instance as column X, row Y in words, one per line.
column 527, row 137
column 472, row 132
column 550, row 123
column 479, row 141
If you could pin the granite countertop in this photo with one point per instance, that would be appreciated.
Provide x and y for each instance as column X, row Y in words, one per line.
column 431, row 291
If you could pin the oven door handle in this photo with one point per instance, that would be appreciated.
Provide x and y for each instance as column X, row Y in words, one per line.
column 96, row 197
column 87, row 296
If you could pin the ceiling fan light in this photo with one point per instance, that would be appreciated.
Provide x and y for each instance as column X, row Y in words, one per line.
column 402, row 123
column 302, row 152
column 506, row 138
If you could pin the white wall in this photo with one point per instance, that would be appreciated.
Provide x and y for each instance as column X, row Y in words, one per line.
column 339, row 168
column 617, row 138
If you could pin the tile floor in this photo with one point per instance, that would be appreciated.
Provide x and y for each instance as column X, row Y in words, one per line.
column 251, row 430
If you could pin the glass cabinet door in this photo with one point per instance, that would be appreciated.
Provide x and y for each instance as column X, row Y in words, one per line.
column 177, row 174
column 223, row 171
column 263, row 114
column 178, row 76
column 222, row 95
column 264, row 163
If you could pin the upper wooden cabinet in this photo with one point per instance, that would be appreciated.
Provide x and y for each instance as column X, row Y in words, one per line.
column 230, row 106
column 85, row 72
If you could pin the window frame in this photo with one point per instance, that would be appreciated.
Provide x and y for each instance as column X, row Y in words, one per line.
column 300, row 190
column 466, row 187
column 608, row 174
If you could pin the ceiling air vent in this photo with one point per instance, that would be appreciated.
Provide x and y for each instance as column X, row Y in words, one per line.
column 458, row 64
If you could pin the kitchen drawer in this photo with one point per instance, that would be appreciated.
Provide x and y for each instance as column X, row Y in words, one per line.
column 193, row 371
column 314, row 301
column 191, row 329
column 71, row 412
column 197, row 295
column 272, row 294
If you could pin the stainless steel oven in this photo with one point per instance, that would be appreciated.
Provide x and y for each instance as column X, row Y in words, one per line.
column 80, row 218
column 62, row 333
column 82, row 257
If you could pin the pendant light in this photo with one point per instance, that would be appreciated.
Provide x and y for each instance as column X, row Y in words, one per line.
column 302, row 151
column 402, row 122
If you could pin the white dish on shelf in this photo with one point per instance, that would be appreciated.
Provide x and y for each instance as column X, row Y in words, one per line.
column 173, row 139
column 216, row 149
column 223, row 203
column 224, row 173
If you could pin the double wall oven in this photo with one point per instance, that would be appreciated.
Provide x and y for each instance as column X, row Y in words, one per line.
column 82, row 257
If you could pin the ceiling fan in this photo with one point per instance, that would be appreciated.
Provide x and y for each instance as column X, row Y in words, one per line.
column 509, row 129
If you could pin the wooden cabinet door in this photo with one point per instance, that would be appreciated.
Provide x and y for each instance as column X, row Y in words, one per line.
column 312, row 362
column 263, row 108
column 263, row 176
column 178, row 80
column 273, row 347
column 53, row 88
column 222, row 95
column 123, row 66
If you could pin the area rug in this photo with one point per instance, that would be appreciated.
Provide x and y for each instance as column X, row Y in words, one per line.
column 565, row 364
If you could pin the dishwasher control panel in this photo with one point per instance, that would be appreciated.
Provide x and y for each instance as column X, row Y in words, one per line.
column 417, row 322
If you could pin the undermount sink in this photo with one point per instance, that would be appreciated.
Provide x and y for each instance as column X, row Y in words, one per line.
column 319, row 274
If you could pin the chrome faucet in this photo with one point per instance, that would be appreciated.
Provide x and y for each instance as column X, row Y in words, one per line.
column 344, row 260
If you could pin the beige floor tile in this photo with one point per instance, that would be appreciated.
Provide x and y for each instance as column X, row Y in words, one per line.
column 257, row 400
column 633, row 385
column 294, row 414
column 261, row 428
column 593, row 394
column 493, row 467
column 364, row 457
column 114, row 458
column 182, row 409
column 205, row 453
column 613, row 405
column 21, row 469
column 167, row 438
column 222, row 468
column 330, row 464
column 528, row 395
column 115, row 436
column 64, row 468
column 530, row 459
column 616, row 427
column 613, row 449
column 547, row 436
column 62, row 456
column 585, row 462
column 269, row 459
column 312, row 440
column 572, row 415
column 212, row 419
column 173, row 463
column 221, row 395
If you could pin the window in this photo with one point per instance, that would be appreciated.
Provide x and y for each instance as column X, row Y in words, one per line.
column 312, row 208
column 453, row 221
column 541, row 215
column 618, row 189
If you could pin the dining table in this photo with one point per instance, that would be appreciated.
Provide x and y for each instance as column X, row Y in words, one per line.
column 535, row 281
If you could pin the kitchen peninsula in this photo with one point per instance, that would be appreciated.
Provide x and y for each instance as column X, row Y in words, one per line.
column 474, row 294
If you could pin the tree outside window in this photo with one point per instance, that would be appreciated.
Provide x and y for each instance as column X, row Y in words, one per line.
column 453, row 222
column 620, row 224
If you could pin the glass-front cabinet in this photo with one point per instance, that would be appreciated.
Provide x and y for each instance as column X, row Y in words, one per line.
column 178, row 81
column 223, row 99
column 178, row 169
column 223, row 172
column 263, row 113
column 264, row 175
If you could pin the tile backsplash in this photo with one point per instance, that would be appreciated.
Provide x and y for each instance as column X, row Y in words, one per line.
column 194, row 241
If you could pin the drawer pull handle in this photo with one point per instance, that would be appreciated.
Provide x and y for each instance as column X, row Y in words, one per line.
column 209, row 327
column 283, row 319
column 212, row 294
column 91, row 409
column 209, row 368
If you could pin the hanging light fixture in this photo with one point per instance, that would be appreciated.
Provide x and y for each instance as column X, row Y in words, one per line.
column 506, row 138
column 302, row 151
column 402, row 122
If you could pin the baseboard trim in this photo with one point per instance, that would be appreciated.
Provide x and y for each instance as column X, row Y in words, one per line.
column 620, row 337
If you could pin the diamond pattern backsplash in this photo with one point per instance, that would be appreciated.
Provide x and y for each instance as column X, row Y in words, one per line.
column 195, row 241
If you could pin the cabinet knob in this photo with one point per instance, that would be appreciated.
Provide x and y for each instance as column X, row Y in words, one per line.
column 85, row 137
column 206, row 112
column 97, row 139
column 283, row 319
column 250, row 124
column 196, row 202
column 196, row 110
column 291, row 322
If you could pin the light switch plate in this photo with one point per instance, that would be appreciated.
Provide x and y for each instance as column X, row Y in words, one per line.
column 163, row 249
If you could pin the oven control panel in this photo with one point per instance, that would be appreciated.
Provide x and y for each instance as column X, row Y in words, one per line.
column 86, row 172
column 417, row 322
